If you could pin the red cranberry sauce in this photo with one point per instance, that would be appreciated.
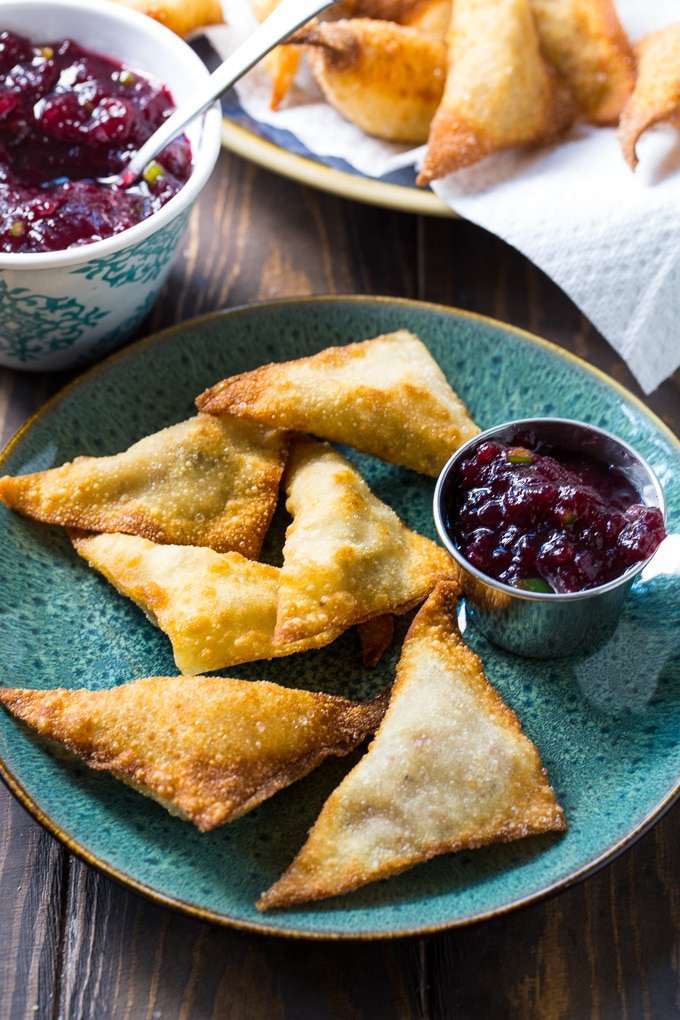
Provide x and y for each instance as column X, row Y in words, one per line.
column 553, row 521
column 68, row 116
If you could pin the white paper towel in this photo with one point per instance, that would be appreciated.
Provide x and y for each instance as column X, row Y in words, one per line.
column 609, row 238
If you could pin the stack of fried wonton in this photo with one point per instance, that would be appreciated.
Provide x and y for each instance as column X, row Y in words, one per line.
column 472, row 77
column 177, row 523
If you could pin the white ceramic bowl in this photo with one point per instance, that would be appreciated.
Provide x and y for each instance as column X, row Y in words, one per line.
column 62, row 310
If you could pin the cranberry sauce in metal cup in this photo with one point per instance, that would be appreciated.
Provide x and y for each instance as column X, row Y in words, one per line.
column 551, row 520
column 67, row 117
column 548, row 519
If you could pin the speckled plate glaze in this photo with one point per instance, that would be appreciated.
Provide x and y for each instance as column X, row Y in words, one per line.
column 607, row 727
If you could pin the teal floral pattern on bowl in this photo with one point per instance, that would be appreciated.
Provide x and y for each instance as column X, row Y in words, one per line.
column 107, row 299
column 28, row 318
column 144, row 263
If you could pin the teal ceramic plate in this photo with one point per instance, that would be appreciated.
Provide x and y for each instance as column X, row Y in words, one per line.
column 607, row 727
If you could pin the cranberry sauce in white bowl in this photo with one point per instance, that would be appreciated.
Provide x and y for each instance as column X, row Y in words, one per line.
column 68, row 117
column 104, row 77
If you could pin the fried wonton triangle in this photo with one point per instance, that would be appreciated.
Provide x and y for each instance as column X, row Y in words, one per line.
column 217, row 609
column 500, row 91
column 385, row 78
column 587, row 45
column 347, row 556
column 656, row 97
column 429, row 16
column 386, row 396
column 207, row 748
column 282, row 62
column 205, row 481
column 448, row 769
column 181, row 16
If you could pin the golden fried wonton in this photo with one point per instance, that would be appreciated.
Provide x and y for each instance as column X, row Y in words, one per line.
column 430, row 16
column 217, row 609
column 449, row 769
column 263, row 8
column 207, row 748
column 180, row 16
column 282, row 62
column 206, row 481
column 347, row 556
column 499, row 93
column 386, row 396
column 385, row 78
column 587, row 45
column 656, row 97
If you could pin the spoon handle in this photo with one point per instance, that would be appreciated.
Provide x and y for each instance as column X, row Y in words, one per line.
column 284, row 19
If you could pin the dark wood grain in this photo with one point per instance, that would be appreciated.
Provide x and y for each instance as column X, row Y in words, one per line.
column 74, row 944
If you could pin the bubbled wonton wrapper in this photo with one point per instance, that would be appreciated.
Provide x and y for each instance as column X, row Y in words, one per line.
column 499, row 92
column 217, row 609
column 656, row 97
column 207, row 748
column 429, row 16
column 587, row 45
column 347, row 556
column 386, row 396
column 384, row 77
column 181, row 16
column 205, row 481
column 448, row 769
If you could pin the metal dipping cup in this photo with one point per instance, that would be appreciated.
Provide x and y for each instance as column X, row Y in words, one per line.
column 537, row 624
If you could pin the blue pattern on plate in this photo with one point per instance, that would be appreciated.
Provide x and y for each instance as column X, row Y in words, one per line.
column 233, row 111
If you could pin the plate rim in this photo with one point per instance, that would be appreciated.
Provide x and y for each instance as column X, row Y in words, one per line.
column 305, row 170
column 381, row 299
column 559, row 884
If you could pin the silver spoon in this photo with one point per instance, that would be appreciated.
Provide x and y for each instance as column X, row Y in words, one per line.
column 284, row 19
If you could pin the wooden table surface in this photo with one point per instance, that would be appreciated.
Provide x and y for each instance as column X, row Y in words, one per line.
column 74, row 944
